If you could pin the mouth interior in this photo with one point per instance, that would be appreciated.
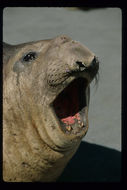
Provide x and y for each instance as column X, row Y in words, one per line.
column 70, row 106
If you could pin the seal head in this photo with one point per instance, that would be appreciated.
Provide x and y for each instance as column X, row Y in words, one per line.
column 47, row 92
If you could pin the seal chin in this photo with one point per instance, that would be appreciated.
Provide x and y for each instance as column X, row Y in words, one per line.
column 71, row 108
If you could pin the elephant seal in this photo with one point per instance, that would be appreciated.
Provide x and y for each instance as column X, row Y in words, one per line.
column 46, row 89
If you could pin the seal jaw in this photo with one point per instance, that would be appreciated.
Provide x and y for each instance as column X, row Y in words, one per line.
column 71, row 108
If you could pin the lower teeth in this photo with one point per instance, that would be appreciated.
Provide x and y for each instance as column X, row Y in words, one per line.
column 69, row 128
column 82, row 124
column 74, row 128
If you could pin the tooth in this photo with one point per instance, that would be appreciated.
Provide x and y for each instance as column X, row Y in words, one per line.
column 68, row 128
column 79, row 122
column 82, row 124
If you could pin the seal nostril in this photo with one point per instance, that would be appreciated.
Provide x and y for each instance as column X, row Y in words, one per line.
column 81, row 66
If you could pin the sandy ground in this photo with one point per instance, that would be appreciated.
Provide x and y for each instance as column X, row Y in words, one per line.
column 98, row 158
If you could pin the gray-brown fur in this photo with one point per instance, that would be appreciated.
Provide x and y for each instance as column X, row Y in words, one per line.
column 34, row 147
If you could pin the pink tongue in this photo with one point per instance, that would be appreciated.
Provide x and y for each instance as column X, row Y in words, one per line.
column 71, row 119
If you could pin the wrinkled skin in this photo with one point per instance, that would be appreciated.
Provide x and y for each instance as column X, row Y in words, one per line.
column 34, row 146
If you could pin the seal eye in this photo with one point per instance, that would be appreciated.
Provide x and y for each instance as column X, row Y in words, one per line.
column 30, row 56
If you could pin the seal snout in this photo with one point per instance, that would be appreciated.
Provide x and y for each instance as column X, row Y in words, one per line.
column 87, row 69
column 82, row 66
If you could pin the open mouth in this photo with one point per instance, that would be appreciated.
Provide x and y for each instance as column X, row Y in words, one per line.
column 71, row 107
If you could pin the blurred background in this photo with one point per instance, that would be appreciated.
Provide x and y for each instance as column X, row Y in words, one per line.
column 99, row 156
